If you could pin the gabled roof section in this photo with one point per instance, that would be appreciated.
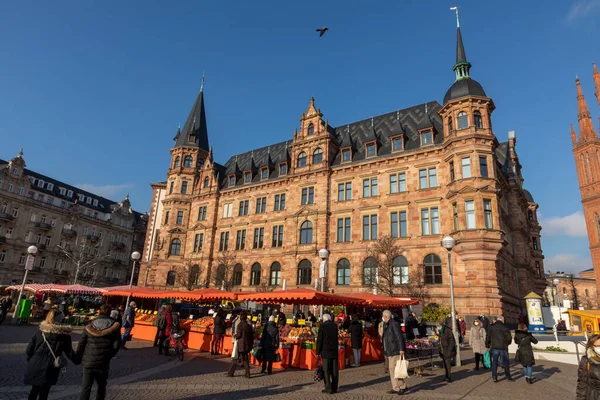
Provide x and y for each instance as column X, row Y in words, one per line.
column 194, row 132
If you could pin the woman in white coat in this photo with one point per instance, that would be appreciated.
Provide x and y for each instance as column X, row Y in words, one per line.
column 477, row 342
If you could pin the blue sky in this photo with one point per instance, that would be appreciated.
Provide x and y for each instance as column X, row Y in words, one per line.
column 93, row 90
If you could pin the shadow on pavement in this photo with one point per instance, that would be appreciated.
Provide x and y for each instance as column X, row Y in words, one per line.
column 249, row 393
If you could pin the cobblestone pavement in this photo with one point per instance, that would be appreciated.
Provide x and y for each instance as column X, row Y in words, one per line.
column 141, row 374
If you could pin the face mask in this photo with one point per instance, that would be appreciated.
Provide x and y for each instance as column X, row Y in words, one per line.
column 597, row 349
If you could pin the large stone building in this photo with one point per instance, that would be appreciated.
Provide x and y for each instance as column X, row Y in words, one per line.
column 586, row 149
column 68, row 225
column 417, row 174
column 581, row 290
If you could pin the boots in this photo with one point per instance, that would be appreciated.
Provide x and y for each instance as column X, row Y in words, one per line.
column 232, row 369
column 247, row 368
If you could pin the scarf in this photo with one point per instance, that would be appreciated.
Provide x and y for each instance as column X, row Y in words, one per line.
column 592, row 356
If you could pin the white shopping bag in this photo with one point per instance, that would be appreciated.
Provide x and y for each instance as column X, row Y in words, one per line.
column 235, row 353
column 401, row 371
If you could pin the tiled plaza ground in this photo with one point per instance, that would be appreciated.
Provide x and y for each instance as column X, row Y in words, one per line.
column 141, row 373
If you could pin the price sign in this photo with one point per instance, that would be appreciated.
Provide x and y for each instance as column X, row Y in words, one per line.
column 289, row 321
column 276, row 319
column 254, row 319
column 302, row 322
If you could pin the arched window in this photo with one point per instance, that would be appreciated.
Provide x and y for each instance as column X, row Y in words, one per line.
column 343, row 272
column 176, row 162
column 317, row 156
column 301, row 159
column 220, row 277
column 564, row 291
column 450, row 126
column 238, row 271
column 477, row 121
column 311, row 129
column 194, row 274
column 304, row 272
column 400, row 270
column 369, row 271
column 275, row 275
column 530, row 215
column 188, row 161
column 587, row 293
column 306, row 230
column 206, row 182
column 255, row 275
column 200, row 162
column 463, row 120
column 175, row 247
column 433, row 269
column 171, row 278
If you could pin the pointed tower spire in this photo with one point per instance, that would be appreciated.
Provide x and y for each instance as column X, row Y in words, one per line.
column 597, row 83
column 573, row 135
column 194, row 132
column 586, row 126
column 462, row 66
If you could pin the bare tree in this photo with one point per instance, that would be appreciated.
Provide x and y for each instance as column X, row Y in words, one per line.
column 574, row 294
column 380, row 270
column 416, row 286
column 223, row 278
column 188, row 275
column 83, row 255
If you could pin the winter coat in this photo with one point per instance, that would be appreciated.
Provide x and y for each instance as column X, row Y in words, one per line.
column 423, row 329
column 393, row 338
column 40, row 368
column 524, row 339
column 485, row 322
column 463, row 327
column 477, row 339
column 356, row 334
column 245, row 336
column 99, row 342
column 498, row 337
column 327, row 340
column 588, row 380
column 219, row 325
column 411, row 323
column 447, row 343
column 161, row 321
column 269, row 341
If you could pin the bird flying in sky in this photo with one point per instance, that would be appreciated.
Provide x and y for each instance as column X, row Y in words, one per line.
column 322, row 30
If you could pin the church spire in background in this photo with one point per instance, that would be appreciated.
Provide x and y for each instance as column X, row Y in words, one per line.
column 586, row 126
column 597, row 83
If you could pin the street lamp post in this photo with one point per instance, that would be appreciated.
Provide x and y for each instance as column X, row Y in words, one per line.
column 135, row 256
column 31, row 250
column 448, row 243
column 324, row 255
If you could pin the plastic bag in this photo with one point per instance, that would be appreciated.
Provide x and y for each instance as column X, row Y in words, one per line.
column 319, row 373
column 401, row 370
column 487, row 359
column 235, row 353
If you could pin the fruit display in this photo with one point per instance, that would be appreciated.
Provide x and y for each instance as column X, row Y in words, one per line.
column 204, row 322
column 150, row 318
column 301, row 333
column 186, row 324
column 343, row 333
column 284, row 331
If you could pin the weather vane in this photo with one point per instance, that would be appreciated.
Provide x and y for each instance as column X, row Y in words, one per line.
column 455, row 8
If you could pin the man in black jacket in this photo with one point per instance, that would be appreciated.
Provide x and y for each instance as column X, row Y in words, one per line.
column 498, row 339
column 327, row 349
column 393, row 348
column 98, row 345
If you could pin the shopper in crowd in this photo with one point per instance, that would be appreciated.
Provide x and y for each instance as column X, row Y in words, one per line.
column 422, row 328
column 98, row 345
column 477, row 342
column 169, row 322
column 393, row 348
column 128, row 323
column 158, row 331
column 245, row 340
column 310, row 317
column 5, row 308
column 327, row 350
column 462, row 325
column 588, row 375
column 356, row 338
column 269, row 342
column 386, row 368
column 218, row 332
column 447, row 348
column 485, row 322
column 47, row 306
column 524, row 356
column 46, row 355
column 410, row 325
column 498, row 339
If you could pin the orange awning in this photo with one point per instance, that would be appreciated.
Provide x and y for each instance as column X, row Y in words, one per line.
column 377, row 301
column 208, row 294
column 298, row 296
column 141, row 292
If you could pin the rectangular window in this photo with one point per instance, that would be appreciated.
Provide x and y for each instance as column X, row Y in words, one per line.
column 264, row 173
column 466, row 167
column 10, row 187
column 282, row 169
column 470, row 214
column 69, row 193
column 224, row 242
column 247, row 177
column 487, row 213
column 62, row 191
column 227, row 210
column 398, row 224
column 427, row 178
column 346, row 155
column 398, row 183
column 202, row 213
column 259, row 236
column 166, row 217
column 231, row 180
column 21, row 190
column 184, row 186
column 370, row 227
column 483, row 168
column 370, row 187
column 243, row 210
column 48, row 240
column 534, row 241
column 171, row 187
column 432, row 177
column 426, row 137
column 15, row 212
column 455, row 215
column 261, row 205
column 343, row 230
column 371, row 150
column 198, row 241
column 240, row 240
column 397, row 143
column 279, row 202
column 345, row 191
column 42, row 262
column 422, row 179
column 452, row 176
column 430, row 221
column 308, row 195
column 277, row 236
column 179, row 217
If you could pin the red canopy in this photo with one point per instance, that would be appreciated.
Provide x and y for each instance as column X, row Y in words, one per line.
column 298, row 296
column 377, row 301
column 51, row 287
column 134, row 291
column 149, row 293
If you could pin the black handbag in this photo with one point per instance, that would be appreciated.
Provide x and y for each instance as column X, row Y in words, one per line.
column 277, row 357
column 319, row 373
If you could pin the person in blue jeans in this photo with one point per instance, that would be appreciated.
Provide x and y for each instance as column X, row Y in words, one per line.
column 128, row 323
column 498, row 339
column 524, row 356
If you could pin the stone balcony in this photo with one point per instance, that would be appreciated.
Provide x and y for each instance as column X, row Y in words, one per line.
column 43, row 226
column 6, row 217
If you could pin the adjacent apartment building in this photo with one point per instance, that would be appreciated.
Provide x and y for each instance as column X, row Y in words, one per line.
column 416, row 174
column 69, row 226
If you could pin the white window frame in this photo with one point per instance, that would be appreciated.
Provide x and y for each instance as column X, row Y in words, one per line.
column 50, row 186
column 227, row 210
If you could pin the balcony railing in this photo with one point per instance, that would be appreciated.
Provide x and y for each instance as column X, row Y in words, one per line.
column 41, row 246
column 69, row 232
column 43, row 226
column 118, row 245
column 92, row 238
column 60, row 272
column 6, row 217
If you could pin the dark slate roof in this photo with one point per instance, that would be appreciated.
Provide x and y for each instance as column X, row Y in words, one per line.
column 406, row 121
column 528, row 196
column 587, row 270
column 195, row 127
column 104, row 204
column 462, row 88
column 461, row 56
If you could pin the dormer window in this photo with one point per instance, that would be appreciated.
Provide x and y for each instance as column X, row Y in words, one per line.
column 192, row 138
column 463, row 120
column 264, row 173
column 311, row 129
column 371, row 149
column 397, row 143
column 40, row 183
column 188, row 161
column 477, row 121
column 206, row 182
column 95, row 203
column 232, row 180
column 247, row 177
column 302, row 159
column 200, row 162
column 88, row 200
column 62, row 191
column 69, row 193
column 346, row 155
column 317, row 156
column 176, row 162
column 426, row 137
column 81, row 197
column 15, row 171
column 50, row 186
column 283, row 169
